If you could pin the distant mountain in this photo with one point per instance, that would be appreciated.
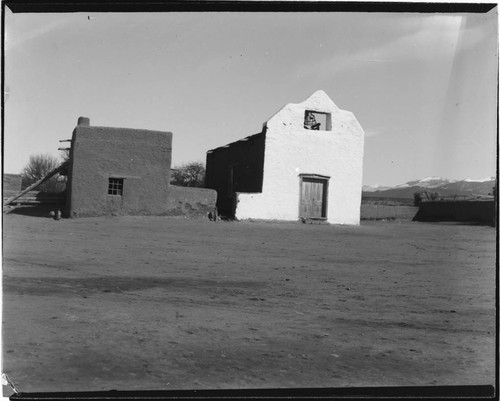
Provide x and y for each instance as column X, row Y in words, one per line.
column 442, row 186
column 373, row 188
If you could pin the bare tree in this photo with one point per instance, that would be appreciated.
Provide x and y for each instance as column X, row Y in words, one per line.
column 189, row 175
column 37, row 168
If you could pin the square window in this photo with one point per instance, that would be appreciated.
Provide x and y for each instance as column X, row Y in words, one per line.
column 317, row 121
column 115, row 186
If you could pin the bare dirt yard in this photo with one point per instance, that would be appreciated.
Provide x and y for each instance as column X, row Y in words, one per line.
column 151, row 303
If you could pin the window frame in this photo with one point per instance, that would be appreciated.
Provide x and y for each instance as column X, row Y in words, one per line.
column 327, row 120
column 115, row 186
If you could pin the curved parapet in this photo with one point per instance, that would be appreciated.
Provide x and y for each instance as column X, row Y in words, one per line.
column 314, row 138
column 306, row 163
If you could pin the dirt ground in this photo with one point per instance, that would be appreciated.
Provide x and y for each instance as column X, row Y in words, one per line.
column 155, row 303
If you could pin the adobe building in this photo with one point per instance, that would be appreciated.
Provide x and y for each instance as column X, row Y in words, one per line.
column 305, row 164
column 122, row 171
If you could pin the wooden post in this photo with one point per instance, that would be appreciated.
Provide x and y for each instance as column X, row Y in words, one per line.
column 36, row 184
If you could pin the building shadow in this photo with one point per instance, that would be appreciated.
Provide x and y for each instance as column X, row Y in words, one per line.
column 42, row 211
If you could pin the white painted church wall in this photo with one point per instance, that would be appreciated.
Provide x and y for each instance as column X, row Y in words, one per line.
column 290, row 150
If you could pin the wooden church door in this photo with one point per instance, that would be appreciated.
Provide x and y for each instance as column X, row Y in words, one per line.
column 313, row 197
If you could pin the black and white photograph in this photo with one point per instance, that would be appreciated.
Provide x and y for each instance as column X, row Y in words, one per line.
column 254, row 199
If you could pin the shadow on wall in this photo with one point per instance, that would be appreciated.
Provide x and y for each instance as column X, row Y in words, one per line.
column 36, row 210
column 37, row 204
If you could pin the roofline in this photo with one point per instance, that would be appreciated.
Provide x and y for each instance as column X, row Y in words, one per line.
column 78, row 127
column 235, row 142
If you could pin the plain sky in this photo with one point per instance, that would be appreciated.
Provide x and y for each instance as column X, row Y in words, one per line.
column 422, row 86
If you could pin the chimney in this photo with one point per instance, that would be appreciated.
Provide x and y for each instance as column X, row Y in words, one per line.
column 84, row 121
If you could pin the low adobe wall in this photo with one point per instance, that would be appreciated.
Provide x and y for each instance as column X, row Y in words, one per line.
column 473, row 211
column 190, row 202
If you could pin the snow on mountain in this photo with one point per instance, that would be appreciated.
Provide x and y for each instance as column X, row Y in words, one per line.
column 443, row 186
column 376, row 187
column 481, row 180
column 428, row 182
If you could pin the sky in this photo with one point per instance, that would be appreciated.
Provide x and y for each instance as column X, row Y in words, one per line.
column 422, row 86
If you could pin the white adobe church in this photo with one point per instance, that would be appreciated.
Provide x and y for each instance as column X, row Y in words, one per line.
column 305, row 164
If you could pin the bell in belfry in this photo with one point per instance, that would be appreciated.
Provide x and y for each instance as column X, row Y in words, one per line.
column 310, row 121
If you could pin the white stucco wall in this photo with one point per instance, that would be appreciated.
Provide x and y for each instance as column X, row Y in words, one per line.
column 290, row 150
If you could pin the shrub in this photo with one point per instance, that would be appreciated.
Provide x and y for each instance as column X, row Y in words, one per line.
column 37, row 168
column 189, row 175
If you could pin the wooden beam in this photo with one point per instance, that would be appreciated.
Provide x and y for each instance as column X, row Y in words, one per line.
column 36, row 184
